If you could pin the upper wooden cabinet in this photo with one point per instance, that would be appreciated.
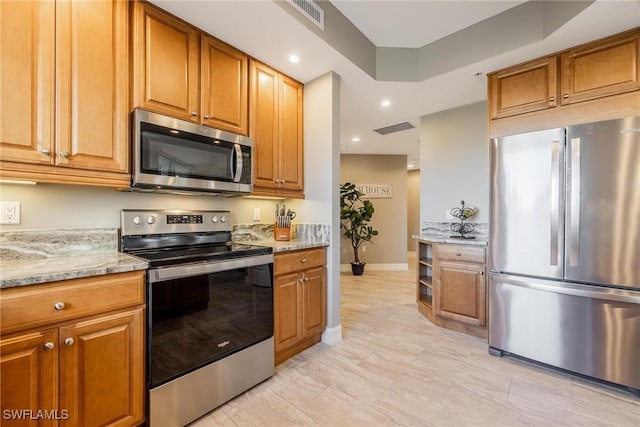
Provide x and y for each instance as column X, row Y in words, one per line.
column 73, row 127
column 184, row 73
column 589, row 72
column 524, row 88
column 599, row 69
column 276, row 129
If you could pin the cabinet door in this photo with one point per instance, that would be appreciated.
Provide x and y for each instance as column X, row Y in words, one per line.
column 224, row 75
column 165, row 63
column 290, row 133
column 287, row 310
column 460, row 292
column 314, row 306
column 26, row 81
column 601, row 69
column 264, row 124
column 528, row 87
column 101, row 370
column 92, row 85
column 29, row 372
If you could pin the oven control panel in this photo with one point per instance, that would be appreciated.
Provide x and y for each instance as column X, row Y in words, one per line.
column 137, row 222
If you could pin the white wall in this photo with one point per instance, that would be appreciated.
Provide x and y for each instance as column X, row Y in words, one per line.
column 454, row 162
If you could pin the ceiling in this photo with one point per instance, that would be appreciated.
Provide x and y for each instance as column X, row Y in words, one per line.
column 266, row 31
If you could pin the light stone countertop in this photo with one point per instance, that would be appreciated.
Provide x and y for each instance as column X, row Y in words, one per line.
column 291, row 245
column 443, row 238
column 33, row 271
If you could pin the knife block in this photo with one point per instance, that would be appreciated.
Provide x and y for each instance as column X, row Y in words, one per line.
column 282, row 233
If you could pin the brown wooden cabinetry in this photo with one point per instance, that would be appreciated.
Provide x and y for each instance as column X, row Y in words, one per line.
column 299, row 301
column 524, row 88
column 71, row 124
column 276, row 128
column 595, row 81
column 452, row 286
column 603, row 68
column 184, row 73
column 72, row 348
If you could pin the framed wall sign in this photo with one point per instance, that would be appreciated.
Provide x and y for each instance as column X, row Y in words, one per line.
column 376, row 191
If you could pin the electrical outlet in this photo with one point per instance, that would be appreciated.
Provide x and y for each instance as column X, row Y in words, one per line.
column 449, row 216
column 256, row 214
column 10, row 213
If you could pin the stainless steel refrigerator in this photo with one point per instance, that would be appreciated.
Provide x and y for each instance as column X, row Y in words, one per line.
column 564, row 249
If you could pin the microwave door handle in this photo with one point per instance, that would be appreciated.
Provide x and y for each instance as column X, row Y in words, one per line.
column 236, row 160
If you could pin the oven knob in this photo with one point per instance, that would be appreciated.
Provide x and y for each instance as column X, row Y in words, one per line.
column 223, row 219
column 214, row 219
column 136, row 220
column 151, row 220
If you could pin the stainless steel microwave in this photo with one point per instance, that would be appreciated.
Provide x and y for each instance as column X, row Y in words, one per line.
column 172, row 155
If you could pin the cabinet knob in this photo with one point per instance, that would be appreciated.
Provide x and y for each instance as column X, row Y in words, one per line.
column 64, row 154
column 303, row 260
column 482, row 273
column 194, row 113
column 458, row 254
column 45, row 151
column 49, row 346
column 206, row 116
column 306, row 279
column 565, row 96
column 59, row 305
column 69, row 341
column 552, row 98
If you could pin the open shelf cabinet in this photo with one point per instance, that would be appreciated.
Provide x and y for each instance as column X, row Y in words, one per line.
column 425, row 279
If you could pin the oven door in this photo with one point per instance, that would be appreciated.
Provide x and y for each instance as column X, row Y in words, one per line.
column 200, row 313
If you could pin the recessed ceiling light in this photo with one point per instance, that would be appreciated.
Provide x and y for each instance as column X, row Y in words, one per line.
column 294, row 59
column 385, row 103
column 410, row 165
column 355, row 139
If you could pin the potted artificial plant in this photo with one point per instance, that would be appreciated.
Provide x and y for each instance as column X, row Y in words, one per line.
column 355, row 215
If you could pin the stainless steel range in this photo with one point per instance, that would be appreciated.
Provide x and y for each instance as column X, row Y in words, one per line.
column 209, row 311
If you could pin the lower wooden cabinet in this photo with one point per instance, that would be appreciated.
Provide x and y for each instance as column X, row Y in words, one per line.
column 453, row 297
column 86, row 371
column 299, row 301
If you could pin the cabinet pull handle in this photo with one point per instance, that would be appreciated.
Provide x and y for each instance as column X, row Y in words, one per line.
column 45, row 151
column 206, row 116
column 303, row 260
column 59, row 305
column 49, row 346
column 552, row 98
column 565, row 96
column 194, row 113
column 64, row 154
column 69, row 342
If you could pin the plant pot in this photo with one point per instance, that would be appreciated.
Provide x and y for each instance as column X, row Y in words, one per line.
column 357, row 268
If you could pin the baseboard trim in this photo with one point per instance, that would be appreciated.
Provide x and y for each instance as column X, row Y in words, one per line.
column 332, row 336
column 378, row 267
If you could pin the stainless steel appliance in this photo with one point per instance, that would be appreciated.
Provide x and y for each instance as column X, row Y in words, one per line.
column 564, row 287
column 172, row 155
column 209, row 311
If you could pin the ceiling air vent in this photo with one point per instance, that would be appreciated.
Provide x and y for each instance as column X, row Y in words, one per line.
column 395, row 128
column 312, row 11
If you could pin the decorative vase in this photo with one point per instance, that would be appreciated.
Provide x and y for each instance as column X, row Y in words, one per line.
column 357, row 268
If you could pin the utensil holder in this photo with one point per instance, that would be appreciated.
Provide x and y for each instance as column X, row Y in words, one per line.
column 282, row 233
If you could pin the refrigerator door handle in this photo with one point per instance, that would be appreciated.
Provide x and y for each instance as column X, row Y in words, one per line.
column 555, row 203
column 574, row 289
column 573, row 217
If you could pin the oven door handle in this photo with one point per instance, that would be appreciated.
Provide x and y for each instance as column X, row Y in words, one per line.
column 178, row 271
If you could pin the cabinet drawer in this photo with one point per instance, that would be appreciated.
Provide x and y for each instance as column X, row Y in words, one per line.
column 35, row 305
column 299, row 260
column 461, row 253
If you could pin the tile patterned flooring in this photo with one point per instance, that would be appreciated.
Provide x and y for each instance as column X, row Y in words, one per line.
column 394, row 368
